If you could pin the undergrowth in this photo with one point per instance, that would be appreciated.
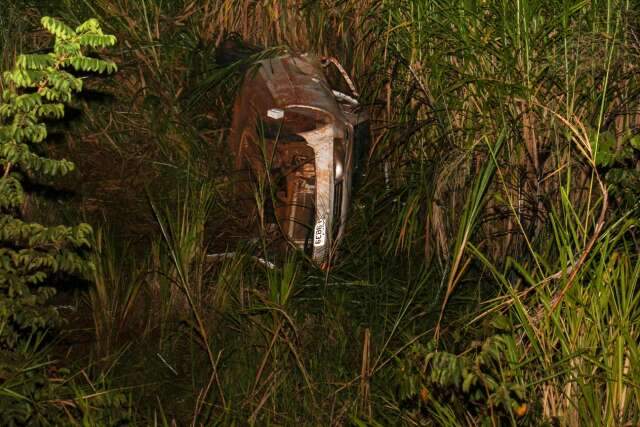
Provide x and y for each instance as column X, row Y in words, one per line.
column 489, row 273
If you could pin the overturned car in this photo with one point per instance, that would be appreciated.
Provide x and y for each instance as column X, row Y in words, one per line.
column 298, row 139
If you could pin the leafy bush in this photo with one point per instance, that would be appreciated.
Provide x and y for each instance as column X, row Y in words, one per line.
column 37, row 89
column 617, row 158
column 482, row 380
column 34, row 391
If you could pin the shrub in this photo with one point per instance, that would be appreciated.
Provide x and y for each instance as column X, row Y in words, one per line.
column 37, row 89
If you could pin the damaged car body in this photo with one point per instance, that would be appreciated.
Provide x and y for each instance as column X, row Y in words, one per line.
column 292, row 130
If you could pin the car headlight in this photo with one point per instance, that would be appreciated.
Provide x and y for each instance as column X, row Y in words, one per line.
column 339, row 170
column 338, row 159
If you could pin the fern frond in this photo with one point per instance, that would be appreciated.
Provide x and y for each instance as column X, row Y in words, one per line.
column 35, row 61
column 89, row 26
column 96, row 40
column 21, row 155
column 68, row 48
column 27, row 102
column 37, row 236
column 11, row 192
column 86, row 63
column 57, row 28
column 22, row 78
column 55, row 111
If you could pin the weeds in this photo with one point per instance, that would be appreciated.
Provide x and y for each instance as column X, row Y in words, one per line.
column 498, row 216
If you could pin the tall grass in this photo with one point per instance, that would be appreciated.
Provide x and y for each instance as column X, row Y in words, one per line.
column 580, row 355
column 529, row 67
column 489, row 196
column 480, row 67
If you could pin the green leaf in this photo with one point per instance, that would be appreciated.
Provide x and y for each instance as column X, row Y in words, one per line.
column 57, row 28
column 35, row 61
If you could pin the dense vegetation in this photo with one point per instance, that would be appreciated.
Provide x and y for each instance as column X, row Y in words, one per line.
column 490, row 270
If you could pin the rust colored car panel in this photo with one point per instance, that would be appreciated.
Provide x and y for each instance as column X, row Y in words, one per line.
column 297, row 134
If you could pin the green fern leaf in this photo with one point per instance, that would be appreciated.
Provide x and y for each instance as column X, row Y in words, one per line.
column 57, row 28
